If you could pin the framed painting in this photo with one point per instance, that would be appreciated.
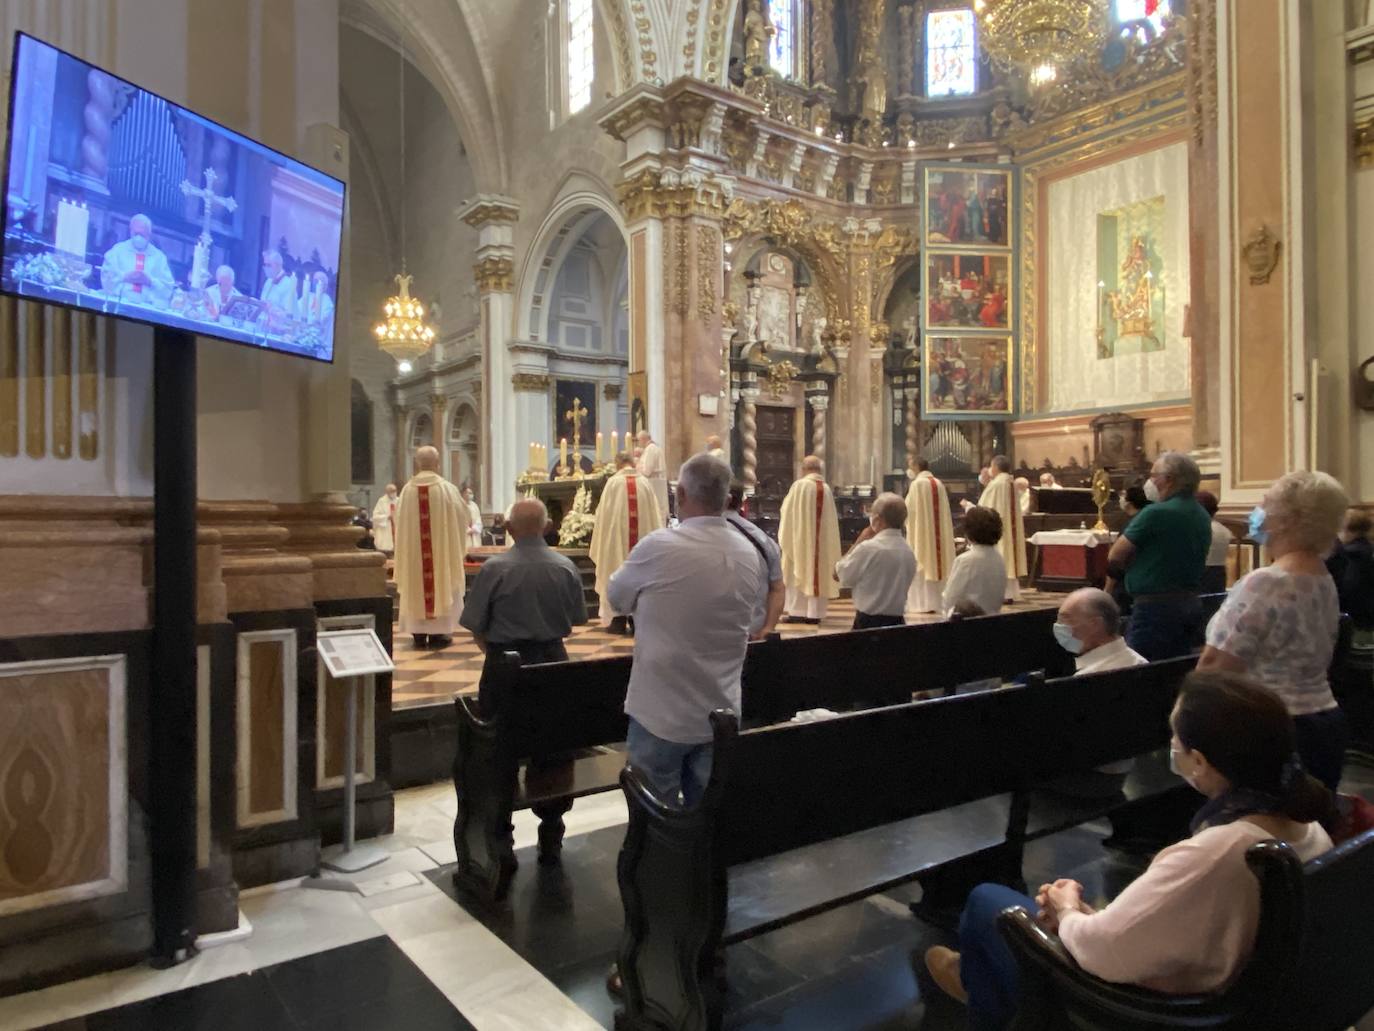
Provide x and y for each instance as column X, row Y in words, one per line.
column 967, row 206
column 968, row 290
column 967, row 377
column 1130, row 279
column 575, row 399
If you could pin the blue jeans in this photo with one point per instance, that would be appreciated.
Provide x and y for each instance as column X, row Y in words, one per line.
column 677, row 773
column 1165, row 629
column 986, row 965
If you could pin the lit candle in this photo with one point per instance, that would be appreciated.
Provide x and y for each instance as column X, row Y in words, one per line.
column 615, row 437
column 563, row 453
column 599, row 444
column 534, row 456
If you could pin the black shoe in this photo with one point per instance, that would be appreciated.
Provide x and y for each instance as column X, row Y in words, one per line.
column 812, row 622
column 794, row 619
column 618, row 625
column 439, row 641
column 421, row 640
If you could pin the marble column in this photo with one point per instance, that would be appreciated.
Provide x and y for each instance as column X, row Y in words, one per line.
column 532, row 413
column 438, row 414
column 819, row 403
column 494, row 219
column 1203, row 315
column 749, row 434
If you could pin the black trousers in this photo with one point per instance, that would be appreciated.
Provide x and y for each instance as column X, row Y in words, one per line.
column 863, row 621
column 531, row 652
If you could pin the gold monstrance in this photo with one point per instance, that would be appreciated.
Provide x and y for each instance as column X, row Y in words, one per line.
column 1102, row 493
column 575, row 415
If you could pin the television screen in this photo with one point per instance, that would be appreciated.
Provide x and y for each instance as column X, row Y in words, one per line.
column 126, row 204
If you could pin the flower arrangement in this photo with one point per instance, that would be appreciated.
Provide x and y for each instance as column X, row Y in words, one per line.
column 576, row 528
column 49, row 270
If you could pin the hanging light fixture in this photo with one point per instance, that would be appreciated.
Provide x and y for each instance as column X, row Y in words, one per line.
column 404, row 334
column 1041, row 38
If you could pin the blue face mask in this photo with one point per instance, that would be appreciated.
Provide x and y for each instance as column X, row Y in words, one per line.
column 1064, row 635
column 1257, row 531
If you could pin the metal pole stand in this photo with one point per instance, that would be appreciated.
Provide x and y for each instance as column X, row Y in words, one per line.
column 351, row 857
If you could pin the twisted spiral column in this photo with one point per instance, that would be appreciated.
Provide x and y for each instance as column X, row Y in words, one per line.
column 749, row 437
column 913, row 428
column 98, row 118
column 819, row 404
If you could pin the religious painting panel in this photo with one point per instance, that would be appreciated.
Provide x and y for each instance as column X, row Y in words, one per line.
column 574, row 413
column 967, row 206
column 775, row 303
column 1109, row 316
column 968, row 291
column 1130, row 279
column 967, row 377
column 63, row 782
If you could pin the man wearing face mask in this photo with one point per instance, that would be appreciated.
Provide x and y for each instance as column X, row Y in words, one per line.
column 1161, row 555
column 135, row 269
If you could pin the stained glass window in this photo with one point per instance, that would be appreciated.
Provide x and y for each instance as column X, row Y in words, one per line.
column 581, row 58
column 951, row 53
column 1150, row 17
column 782, row 49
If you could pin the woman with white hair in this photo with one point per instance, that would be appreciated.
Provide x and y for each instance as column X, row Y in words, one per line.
column 1279, row 623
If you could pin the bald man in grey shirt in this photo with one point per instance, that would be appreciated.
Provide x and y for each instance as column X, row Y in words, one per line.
column 526, row 599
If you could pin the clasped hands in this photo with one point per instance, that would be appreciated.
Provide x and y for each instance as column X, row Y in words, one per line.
column 1054, row 900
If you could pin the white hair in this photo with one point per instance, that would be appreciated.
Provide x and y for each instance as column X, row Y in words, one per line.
column 891, row 509
column 705, row 479
column 1181, row 470
column 1310, row 506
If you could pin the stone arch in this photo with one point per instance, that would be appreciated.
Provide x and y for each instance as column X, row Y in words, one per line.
column 562, row 226
column 464, row 443
column 824, row 273
column 420, row 431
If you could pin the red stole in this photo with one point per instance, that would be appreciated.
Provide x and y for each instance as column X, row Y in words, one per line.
column 935, row 525
column 426, row 552
column 139, row 258
column 632, row 510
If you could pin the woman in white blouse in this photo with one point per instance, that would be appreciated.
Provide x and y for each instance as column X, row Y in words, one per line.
column 1188, row 923
column 979, row 575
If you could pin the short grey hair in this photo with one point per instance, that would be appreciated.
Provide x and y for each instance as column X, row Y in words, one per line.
column 705, row 479
column 1181, row 470
column 1103, row 606
column 890, row 509
column 1310, row 505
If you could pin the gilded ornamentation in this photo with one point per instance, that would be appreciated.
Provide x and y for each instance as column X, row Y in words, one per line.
column 494, row 275
column 780, row 377
column 1362, row 138
column 875, row 382
column 680, row 305
column 611, row 391
column 757, row 33
column 708, row 270
column 672, row 300
column 675, row 193
column 533, row 382
column 822, row 36
column 1261, row 251
column 1089, row 82
column 871, row 65
column 645, row 109
column 624, row 56
column 729, row 314
column 1033, row 36
column 1202, row 68
column 648, row 59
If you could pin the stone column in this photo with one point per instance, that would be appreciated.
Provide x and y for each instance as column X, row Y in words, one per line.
column 494, row 219
column 749, row 433
column 819, row 402
column 1203, row 315
column 438, row 412
column 401, row 471
column 913, row 429
column 532, row 417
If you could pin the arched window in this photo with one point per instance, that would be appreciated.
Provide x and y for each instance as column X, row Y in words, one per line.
column 784, row 50
column 1146, row 18
column 951, row 53
column 580, row 64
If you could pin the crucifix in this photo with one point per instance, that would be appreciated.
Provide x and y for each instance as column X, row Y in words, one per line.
column 200, row 262
column 575, row 415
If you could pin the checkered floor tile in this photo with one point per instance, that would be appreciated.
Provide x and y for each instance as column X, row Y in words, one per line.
column 430, row 677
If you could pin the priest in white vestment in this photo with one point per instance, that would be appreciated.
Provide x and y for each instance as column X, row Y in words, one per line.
column 474, row 516
column 135, row 269
column 627, row 513
column 317, row 307
column 809, row 535
column 715, row 448
column 930, row 531
column 1000, row 495
column 278, row 291
column 1023, row 495
column 384, row 520
column 654, row 469
column 219, row 293
column 431, row 543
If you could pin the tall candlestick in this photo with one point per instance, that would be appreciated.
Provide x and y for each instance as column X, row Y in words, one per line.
column 563, row 454
column 533, row 456
column 615, row 449
column 599, row 444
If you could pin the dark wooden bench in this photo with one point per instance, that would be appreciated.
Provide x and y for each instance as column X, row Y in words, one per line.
column 559, row 709
column 1310, row 969
column 798, row 819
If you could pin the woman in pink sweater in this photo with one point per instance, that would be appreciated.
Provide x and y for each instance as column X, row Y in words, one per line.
column 1188, row 923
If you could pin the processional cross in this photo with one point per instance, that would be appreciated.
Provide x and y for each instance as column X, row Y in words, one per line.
column 200, row 261
column 575, row 415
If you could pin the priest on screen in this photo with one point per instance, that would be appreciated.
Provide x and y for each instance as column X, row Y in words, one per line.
column 930, row 531
column 431, row 541
column 384, row 520
column 628, row 512
column 809, row 535
column 1000, row 496
column 135, row 269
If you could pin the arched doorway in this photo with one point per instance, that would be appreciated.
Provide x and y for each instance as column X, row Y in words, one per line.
column 465, row 447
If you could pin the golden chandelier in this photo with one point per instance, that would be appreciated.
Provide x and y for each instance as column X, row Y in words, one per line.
column 1039, row 37
column 405, row 335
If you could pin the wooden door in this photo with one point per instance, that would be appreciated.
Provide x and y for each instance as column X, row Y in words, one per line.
column 777, row 457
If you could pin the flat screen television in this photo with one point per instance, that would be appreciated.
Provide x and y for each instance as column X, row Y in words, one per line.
column 121, row 202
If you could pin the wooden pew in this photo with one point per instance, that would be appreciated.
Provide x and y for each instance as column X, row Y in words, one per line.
column 559, row 708
column 1309, row 970
column 798, row 819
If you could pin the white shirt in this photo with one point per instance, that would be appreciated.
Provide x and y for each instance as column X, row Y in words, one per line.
column 980, row 576
column 694, row 592
column 1115, row 654
column 651, row 464
column 879, row 571
column 1221, row 541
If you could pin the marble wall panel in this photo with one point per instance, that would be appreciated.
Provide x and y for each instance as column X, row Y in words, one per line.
column 267, row 711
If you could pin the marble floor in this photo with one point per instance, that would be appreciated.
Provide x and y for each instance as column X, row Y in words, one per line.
column 431, row 676
column 401, row 953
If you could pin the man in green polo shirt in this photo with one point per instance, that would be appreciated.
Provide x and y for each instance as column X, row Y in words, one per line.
column 1163, row 552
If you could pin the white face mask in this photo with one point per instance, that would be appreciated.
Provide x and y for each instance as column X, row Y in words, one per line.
column 1177, row 770
column 1151, row 491
column 1064, row 634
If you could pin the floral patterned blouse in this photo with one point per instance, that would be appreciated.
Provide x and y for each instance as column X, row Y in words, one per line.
column 1283, row 626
